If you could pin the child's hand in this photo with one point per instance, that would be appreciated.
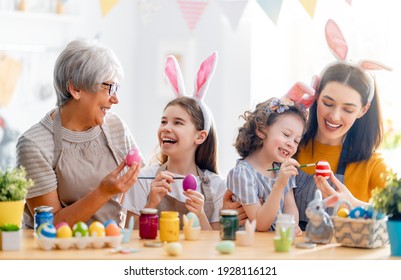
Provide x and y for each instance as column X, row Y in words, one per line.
column 159, row 188
column 298, row 231
column 287, row 169
column 195, row 202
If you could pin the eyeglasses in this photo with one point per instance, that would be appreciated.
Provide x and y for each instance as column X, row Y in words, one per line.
column 113, row 88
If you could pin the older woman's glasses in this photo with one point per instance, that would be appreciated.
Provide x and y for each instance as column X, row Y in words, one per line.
column 113, row 88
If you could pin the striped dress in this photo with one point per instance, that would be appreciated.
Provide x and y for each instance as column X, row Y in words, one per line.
column 250, row 187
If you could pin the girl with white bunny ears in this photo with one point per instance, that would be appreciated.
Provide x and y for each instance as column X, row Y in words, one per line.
column 344, row 128
column 188, row 145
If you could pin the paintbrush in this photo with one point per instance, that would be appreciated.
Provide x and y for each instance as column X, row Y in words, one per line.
column 153, row 177
column 302, row 165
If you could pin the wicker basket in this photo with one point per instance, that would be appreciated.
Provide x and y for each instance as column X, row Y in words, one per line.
column 362, row 233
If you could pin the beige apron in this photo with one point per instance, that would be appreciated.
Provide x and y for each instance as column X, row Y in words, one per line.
column 169, row 203
column 80, row 171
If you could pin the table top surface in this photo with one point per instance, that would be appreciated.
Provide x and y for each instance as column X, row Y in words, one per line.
column 203, row 249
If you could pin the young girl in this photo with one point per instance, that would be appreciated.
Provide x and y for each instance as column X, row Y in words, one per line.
column 344, row 128
column 269, row 136
column 188, row 145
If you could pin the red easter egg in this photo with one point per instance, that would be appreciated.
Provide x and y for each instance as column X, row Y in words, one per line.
column 133, row 156
column 189, row 182
column 323, row 169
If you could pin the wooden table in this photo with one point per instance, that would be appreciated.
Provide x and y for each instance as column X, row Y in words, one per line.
column 203, row 249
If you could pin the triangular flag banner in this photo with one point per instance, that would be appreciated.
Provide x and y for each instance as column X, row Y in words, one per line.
column 309, row 6
column 349, row 2
column 10, row 70
column 272, row 8
column 192, row 11
column 148, row 10
column 107, row 5
column 233, row 10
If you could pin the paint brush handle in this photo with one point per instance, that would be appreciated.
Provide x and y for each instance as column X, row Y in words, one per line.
column 301, row 166
column 307, row 165
column 153, row 177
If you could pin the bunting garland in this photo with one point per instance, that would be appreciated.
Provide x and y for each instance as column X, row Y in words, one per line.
column 107, row 5
column 233, row 10
column 148, row 10
column 272, row 8
column 309, row 6
column 192, row 11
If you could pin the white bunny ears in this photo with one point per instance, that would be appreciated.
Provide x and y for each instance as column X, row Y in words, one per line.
column 339, row 47
column 203, row 77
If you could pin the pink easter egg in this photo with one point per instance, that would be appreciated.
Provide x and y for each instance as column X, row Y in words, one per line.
column 323, row 169
column 189, row 182
column 133, row 156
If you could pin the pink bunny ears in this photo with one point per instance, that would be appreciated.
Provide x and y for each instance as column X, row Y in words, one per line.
column 304, row 94
column 203, row 77
column 339, row 47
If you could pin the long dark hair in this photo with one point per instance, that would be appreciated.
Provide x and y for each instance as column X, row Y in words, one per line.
column 206, row 153
column 366, row 134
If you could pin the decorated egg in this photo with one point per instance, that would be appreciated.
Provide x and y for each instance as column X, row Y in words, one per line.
column 189, row 182
column 357, row 212
column 343, row 212
column 97, row 229
column 63, row 230
column 109, row 221
column 61, row 224
column 112, row 229
column 46, row 230
column 195, row 219
column 80, row 229
column 323, row 169
column 133, row 156
column 225, row 247
column 369, row 211
column 173, row 248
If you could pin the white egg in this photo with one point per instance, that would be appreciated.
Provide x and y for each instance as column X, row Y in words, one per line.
column 173, row 248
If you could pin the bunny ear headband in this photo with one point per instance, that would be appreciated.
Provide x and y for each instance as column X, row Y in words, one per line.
column 203, row 77
column 339, row 47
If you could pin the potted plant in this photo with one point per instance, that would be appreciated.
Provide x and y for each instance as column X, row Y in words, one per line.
column 10, row 237
column 388, row 201
column 13, row 188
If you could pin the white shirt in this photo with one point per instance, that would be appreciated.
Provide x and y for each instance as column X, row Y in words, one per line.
column 137, row 197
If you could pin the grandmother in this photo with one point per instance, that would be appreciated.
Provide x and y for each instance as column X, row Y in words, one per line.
column 75, row 154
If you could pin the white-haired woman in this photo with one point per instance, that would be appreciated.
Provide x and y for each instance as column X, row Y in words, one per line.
column 75, row 154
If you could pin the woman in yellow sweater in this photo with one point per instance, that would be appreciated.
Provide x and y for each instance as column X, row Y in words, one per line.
column 344, row 128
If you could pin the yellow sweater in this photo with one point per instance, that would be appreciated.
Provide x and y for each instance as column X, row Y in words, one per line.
column 360, row 177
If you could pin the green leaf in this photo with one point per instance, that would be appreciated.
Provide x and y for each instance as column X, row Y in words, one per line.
column 13, row 184
column 9, row 227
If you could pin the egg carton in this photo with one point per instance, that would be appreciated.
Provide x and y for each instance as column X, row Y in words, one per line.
column 80, row 243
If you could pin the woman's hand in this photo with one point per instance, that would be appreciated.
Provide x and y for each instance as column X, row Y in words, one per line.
column 228, row 203
column 340, row 189
column 114, row 183
column 159, row 188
